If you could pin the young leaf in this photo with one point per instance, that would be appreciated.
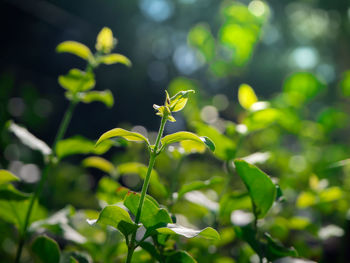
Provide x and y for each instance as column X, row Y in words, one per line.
column 208, row 233
column 183, row 136
column 260, row 187
column 118, row 132
column 77, row 81
column 198, row 185
column 46, row 249
column 75, row 48
column 180, row 257
column 99, row 163
column 140, row 169
column 115, row 58
column 105, row 40
column 151, row 214
column 192, row 147
column 116, row 217
column 178, row 101
column 79, row 145
column 246, row 96
column 105, row 97
column 29, row 139
column 7, row 177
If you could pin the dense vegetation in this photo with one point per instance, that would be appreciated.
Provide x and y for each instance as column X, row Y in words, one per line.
column 223, row 180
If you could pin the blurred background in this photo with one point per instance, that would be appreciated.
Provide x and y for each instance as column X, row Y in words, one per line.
column 290, row 52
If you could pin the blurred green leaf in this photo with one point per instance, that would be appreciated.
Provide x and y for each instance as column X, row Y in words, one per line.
column 105, row 97
column 260, row 187
column 201, row 38
column 332, row 119
column 151, row 215
column 345, row 83
column 79, row 145
column 75, row 48
column 99, row 163
column 246, row 96
column 77, row 81
column 198, row 185
column 7, row 177
column 118, row 132
column 9, row 192
column 105, row 41
column 116, row 217
column 180, row 257
column 275, row 250
column 46, row 249
column 114, row 58
column 183, row 136
column 110, row 191
column 170, row 229
column 234, row 201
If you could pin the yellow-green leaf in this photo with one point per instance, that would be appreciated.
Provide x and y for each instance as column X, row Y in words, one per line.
column 178, row 101
column 246, row 96
column 118, row 132
column 105, row 40
column 77, row 81
column 75, row 48
column 99, row 163
column 115, row 58
column 7, row 177
column 208, row 232
column 105, row 97
column 183, row 136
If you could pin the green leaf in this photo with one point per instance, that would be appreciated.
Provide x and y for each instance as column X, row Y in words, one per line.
column 9, row 192
column 75, row 48
column 345, row 83
column 29, row 139
column 151, row 215
column 198, row 185
column 276, row 250
column 110, row 191
column 80, row 145
column 77, row 81
column 151, row 250
column 46, row 249
column 99, row 163
column 105, row 97
column 105, row 40
column 183, row 136
column 116, row 217
column 201, row 38
column 7, row 177
column 115, row 58
column 225, row 148
column 180, row 257
column 260, row 187
column 127, row 135
column 179, row 100
column 140, row 169
column 192, row 147
column 246, row 96
column 208, row 232
column 233, row 201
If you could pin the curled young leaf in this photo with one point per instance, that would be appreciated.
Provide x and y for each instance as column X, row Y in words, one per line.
column 128, row 135
column 208, row 233
column 75, row 48
column 179, row 100
column 115, row 58
column 105, row 40
column 183, row 136
column 246, row 96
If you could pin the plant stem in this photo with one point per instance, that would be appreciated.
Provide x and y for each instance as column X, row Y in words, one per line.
column 154, row 153
column 61, row 131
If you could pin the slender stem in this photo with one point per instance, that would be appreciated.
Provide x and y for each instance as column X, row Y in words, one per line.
column 61, row 131
column 154, row 153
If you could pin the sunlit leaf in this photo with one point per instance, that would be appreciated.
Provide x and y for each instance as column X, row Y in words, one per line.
column 180, row 257
column 118, row 132
column 260, row 187
column 99, row 163
column 7, row 177
column 115, row 58
column 201, row 38
column 208, row 232
column 192, row 147
column 246, row 96
column 77, row 81
column 105, row 97
column 29, row 139
column 140, row 169
column 151, row 214
column 79, row 145
column 75, row 48
column 198, row 185
column 183, row 136
column 306, row 199
column 105, row 40
column 46, row 249
column 179, row 100
column 331, row 194
column 116, row 217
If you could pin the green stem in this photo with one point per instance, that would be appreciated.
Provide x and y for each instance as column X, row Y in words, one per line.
column 154, row 153
column 61, row 131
